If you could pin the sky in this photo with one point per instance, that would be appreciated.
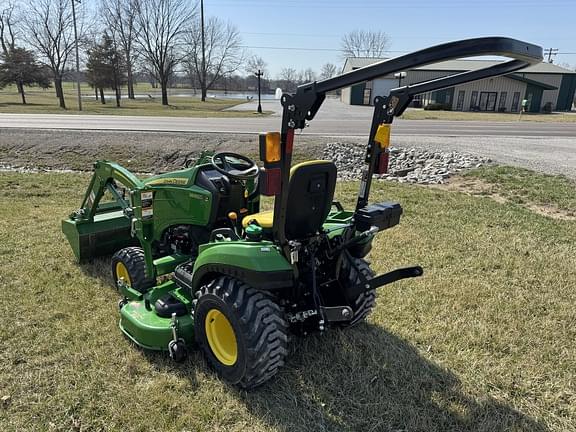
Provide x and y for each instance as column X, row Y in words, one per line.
column 307, row 33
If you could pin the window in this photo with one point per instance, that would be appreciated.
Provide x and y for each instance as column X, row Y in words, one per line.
column 367, row 93
column 502, row 102
column 487, row 101
column 474, row 101
column 515, row 101
column 460, row 100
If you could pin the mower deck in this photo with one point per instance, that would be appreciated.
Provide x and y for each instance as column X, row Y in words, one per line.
column 148, row 330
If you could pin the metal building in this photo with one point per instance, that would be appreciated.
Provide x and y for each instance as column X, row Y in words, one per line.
column 545, row 86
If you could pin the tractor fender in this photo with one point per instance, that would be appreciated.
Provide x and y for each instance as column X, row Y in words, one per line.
column 259, row 264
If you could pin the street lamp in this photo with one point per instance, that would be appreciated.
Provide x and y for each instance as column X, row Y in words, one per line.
column 259, row 74
column 400, row 75
column 77, row 54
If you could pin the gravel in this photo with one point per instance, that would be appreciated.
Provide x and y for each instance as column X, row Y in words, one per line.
column 407, row 165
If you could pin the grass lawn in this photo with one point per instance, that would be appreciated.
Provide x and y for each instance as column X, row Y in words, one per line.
column 483, row 342
column 45, row 102
column 420, row 114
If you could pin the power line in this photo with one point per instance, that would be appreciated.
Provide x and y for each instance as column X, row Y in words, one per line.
column 284, row 48
column 354, row 5
column 288, row 48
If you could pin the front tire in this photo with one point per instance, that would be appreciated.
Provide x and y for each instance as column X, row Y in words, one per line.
column 130, row 265
column 241, row 330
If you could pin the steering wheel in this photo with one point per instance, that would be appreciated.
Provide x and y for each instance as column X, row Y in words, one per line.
column 235, row 165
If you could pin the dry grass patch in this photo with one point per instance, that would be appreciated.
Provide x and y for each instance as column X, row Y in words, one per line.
column 45, row 102
column 483, row 342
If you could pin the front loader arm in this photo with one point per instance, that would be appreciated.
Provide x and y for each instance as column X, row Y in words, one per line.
column 105, row 173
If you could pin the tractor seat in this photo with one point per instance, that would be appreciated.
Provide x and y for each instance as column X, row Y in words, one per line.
column 310, row 194
column 263, row 219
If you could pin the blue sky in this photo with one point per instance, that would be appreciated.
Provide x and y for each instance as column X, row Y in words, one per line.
column 318, row 25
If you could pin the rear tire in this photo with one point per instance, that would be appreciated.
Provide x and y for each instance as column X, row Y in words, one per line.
column 241, row 330
column 363, row 304
column 129, row 263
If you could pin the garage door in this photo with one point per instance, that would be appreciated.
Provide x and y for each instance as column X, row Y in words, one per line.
column 382, row 87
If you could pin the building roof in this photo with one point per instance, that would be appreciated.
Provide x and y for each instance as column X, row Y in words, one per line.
column 460, row 65
column 532, row 82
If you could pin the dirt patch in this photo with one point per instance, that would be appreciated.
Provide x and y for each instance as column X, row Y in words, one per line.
column 478, row 187
column 142, row 152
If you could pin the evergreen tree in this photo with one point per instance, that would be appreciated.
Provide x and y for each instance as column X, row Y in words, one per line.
column 19, row 67
column 106, row 68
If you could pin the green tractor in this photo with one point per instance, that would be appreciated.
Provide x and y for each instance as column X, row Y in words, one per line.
column 196, row 261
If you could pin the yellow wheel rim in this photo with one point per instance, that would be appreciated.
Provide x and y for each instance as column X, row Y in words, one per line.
column 221, row 337
column 122, row 273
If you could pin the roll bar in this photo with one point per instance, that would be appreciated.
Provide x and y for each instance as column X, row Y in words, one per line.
column 305, row 103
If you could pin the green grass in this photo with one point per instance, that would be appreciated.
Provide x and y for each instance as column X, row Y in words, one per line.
column 486, row 116
column 45, row 102
column 483, row 342
column 522, row 186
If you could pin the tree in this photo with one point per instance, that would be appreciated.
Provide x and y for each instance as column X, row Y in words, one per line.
column 50, row 31
column 223, row 52
column 253, row 65
column 288, row 77
column 328, row 71
column 19, row 67
column 120, row 16
column 106, row 68
column 8, row 28
column 361, row 43
column 307, row 75
column 161, row 28
column 256, row 63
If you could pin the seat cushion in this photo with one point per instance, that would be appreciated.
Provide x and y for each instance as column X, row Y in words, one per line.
column 264, row 219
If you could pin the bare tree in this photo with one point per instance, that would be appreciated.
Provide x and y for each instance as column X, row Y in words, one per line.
column 223, row 52
column 307, row 75
column 8, row 28
column 120, row 16
column 328, row 71
column 50, row 31
column 255, row 64
column 288, row 74
column 161, row 26
column 362, row 43
column 288, row 77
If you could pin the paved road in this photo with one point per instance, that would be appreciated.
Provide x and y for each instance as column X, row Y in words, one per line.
column 335, row 119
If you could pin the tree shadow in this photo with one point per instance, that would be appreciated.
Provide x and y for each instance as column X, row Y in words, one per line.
column 367, row 379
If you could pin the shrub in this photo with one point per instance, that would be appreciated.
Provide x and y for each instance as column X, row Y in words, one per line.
column 438, row 107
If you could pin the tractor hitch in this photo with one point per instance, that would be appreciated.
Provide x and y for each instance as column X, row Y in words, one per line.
column 393, row 276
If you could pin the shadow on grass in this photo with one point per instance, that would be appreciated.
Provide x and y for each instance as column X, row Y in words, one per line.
column 359, row 379
column 367, row 379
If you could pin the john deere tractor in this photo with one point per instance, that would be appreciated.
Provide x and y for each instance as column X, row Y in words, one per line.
column 196, row 260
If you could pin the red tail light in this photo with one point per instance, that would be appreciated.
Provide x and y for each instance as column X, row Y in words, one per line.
column 382, row 163
column 270, row 181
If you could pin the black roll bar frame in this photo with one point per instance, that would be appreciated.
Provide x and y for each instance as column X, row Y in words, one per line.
column 302, row 106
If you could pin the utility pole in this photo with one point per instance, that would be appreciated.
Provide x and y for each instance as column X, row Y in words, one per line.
column 77, row 54
column 400, row 75
column 203, row 83
column 551, row 52
column 259, row 74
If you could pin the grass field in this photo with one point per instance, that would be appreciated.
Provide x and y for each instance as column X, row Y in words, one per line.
column 486, row 116
column 45, row 102
column 483, row 342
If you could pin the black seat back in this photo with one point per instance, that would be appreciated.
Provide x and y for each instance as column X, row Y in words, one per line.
column 310, row 195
